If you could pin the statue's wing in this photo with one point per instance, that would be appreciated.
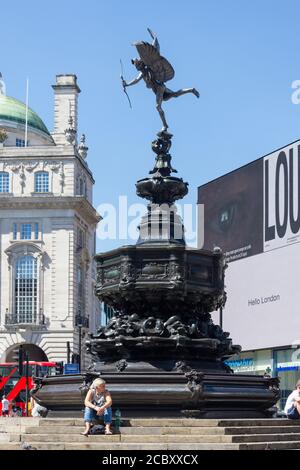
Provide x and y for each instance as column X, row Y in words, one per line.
column 155, row 40
column 162, row 69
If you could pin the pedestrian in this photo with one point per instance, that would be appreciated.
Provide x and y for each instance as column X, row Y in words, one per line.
column 97, row 403
column 292, row 406
column 37, row 410
column 15, row 411
column 5, row 406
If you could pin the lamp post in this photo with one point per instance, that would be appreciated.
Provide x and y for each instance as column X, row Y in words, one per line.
column 68, row 352
column 79, row 324
column 27, row 385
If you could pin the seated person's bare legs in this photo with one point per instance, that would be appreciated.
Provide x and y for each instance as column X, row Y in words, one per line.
column 107, row 429
column 87, row 428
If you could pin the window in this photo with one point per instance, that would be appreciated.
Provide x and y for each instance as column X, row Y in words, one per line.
column 80, row 187
column 25, row 231
column 15, row 231
column 20, row 143
column 4, row 182
column 41, row 182
column 80, row 238
column 26, row 290
column 36, row 231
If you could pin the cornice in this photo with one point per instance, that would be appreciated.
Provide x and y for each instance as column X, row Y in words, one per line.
column 76, row 203
column 60, row 152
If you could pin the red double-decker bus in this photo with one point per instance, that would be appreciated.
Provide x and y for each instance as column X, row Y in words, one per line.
column 13, row 386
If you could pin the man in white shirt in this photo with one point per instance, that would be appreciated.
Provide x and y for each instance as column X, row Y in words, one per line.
column 5, row 406
column 292, row 406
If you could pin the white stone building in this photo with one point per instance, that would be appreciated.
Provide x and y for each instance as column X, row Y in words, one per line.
column 47, row 230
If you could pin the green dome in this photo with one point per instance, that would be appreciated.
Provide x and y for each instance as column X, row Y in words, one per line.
column 15, row 111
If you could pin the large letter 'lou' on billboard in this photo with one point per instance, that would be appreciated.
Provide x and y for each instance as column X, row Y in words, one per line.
column 282, row 198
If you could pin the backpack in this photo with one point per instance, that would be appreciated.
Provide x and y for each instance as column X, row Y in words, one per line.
column 97, row 429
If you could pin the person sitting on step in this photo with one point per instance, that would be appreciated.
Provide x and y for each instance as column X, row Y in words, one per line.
column 97, row 403
column 292, row 406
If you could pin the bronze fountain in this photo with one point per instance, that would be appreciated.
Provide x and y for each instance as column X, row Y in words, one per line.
column 161, row 354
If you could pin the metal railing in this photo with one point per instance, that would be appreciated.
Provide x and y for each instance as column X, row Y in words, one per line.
column 21, row 319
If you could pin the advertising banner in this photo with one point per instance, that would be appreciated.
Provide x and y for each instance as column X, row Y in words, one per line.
column 253, row 214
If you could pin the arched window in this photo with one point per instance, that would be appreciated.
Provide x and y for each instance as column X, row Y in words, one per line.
column 41, row 182
column 26, row 295
column 4, row 182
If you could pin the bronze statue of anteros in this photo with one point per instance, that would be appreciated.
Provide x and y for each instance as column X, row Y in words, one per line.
column 155, row 70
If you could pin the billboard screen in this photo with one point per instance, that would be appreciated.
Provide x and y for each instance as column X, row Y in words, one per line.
column 253, row 214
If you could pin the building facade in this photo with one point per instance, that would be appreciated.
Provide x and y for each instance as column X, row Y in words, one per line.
column 47, row 230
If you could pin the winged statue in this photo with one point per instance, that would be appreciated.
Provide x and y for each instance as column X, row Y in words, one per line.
column 155, row 70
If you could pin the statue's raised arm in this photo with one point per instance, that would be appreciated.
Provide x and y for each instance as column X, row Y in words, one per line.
column 155, row 70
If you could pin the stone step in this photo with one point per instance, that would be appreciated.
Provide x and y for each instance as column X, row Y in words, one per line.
column 155, row 422
column 143, row 446
column 180, row 439
column 260, row 430
column 119, row 446
column 89, row 445
column 124, row 430
column 163, row 439
column 182, row 430
column 76, row 430
column 266, row 438
column 177, row 422
column 10, row 437
column 10, row 446
column 70, row 438
column 199, row 430
column 152, row 434
column 13, row 429
column 22, row 420
column 59, row 422
column 283, row 445
column 257, row 422
column 152, row 422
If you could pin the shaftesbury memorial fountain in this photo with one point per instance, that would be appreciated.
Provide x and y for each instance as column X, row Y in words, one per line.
column 161, row 354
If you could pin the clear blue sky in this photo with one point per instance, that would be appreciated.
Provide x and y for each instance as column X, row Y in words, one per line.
column 242, row 56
